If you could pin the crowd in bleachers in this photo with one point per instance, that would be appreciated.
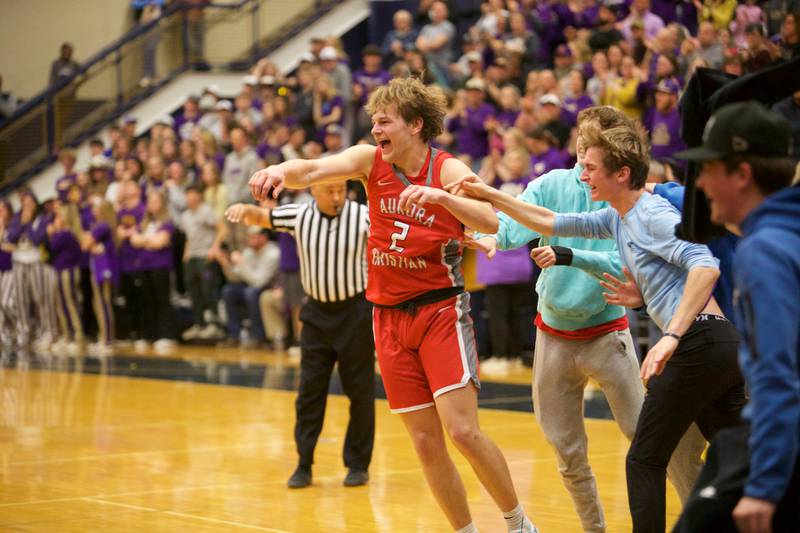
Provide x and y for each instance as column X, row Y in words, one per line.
column 141, row 232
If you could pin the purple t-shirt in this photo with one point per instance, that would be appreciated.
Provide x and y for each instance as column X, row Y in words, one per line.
column 370, row 81
column 550, row 160
column 471, row 135
column 128, row 255
column 104, row 264
column 268, row 152
column 35, row 231
column 65, row 249
column 184, row 125
column 327, row 109
column 507, row 117
column 157, row 259
column 665, row 134
column 508, row 266
column 573, row 106
column 289, row 260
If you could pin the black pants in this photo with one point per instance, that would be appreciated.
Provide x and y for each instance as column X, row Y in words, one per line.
column 724, row 477
column 87, row 305
column 159, row 317
column 504, row 303
column 700, row 383
column 202, row 283
column 131, row 287
column 337, row 333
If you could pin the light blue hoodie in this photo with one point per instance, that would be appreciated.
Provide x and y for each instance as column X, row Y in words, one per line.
column 570, row 297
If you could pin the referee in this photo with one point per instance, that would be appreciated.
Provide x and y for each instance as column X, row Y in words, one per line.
column 331, row 235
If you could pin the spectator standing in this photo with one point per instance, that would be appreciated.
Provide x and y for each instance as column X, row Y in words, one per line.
column 62, row 236
column 665, row 122
column 200, row 224
column 64, row 67
column 403, row 37
column 718, row 12
column 129, row 216
column 640, row 12
column 154, row 246
column 240, row 163
column 100, row 241
column 436, row 42
column 151, row 12
column 469, row 123
column 366, row 80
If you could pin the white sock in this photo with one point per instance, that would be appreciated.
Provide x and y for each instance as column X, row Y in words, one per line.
column 469, row 528
column 514, row 518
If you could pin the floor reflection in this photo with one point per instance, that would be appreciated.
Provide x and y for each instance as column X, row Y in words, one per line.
column 260, row 371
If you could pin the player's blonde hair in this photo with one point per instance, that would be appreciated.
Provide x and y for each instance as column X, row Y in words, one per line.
column 413, row 100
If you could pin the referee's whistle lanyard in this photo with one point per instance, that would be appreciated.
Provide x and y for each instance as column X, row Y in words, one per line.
column 429, row 181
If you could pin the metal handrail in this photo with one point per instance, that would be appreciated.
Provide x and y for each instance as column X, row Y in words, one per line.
column 45, row 106
column 106, row 52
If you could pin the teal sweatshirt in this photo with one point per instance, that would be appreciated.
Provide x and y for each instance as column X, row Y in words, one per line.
column 570, row 297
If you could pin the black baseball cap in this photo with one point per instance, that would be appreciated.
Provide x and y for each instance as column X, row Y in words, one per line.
column 742, row 128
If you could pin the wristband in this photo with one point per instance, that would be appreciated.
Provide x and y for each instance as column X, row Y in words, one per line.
column 563, row 255
column 673, row 335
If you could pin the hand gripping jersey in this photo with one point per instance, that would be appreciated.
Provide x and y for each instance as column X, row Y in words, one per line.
column 414, row 251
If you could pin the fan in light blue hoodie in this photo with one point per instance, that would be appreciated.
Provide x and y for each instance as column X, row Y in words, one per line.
column 570, row 297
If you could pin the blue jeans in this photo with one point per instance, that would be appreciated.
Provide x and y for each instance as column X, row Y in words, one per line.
column 235, row 295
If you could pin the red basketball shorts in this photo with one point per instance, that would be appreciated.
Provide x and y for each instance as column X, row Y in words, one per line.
column 425, row 354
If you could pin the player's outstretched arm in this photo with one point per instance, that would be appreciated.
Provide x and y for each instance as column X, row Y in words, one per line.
column 539, row 219
column 353, row 163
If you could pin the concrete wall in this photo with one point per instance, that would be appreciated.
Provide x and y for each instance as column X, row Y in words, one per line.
column 31, row 33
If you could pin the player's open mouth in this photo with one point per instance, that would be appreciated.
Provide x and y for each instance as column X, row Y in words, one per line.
column 384, row 144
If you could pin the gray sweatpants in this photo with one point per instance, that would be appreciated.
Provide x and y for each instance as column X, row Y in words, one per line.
column 561, row 370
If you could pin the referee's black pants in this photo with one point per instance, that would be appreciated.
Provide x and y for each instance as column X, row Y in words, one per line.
column 700, row 383
column 338, row 332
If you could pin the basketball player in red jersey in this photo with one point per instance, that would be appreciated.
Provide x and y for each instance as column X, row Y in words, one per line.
column 423, row 333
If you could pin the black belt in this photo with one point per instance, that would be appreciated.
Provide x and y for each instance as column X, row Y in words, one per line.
column 337, row 306
column 436, row 295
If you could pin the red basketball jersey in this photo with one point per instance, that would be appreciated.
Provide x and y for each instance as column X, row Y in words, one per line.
column 414, row 251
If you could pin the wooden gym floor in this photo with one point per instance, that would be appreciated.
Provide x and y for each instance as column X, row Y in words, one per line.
column 203, row 441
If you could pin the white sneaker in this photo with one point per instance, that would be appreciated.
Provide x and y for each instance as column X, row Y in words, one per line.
column 294, row 353
column 100, row 349
column 57, row 348
column 43, row 347
column 141, row 346
column 192, row 333
column 74, row 348
column 164, row 346
column 211, row 331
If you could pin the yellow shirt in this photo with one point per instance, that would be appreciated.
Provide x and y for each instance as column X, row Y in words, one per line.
column 621, row 94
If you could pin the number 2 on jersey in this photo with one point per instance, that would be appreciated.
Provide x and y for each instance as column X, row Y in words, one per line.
column 399, row 236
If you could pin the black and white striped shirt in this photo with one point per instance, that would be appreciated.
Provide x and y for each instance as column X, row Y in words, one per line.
column 332, row 250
